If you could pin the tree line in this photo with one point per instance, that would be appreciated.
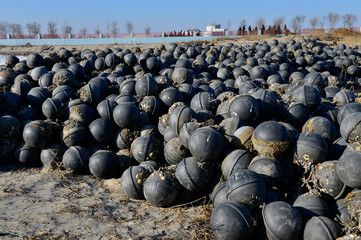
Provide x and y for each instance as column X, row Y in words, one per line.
column 52, row 28
column 332, row 19
column 296, row 23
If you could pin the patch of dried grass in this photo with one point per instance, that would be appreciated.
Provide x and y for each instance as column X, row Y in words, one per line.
column 256, row 38
column 351, row 40
column 340, row 36
column 199, row 225
column 71, row 208
column 346, row 32
column 198, row 42
column 41, row 235
column 202, row 228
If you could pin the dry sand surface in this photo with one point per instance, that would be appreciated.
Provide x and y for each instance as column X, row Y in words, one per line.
column 51, row 204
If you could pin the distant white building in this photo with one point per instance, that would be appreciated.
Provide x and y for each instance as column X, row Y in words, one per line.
column 214, row 30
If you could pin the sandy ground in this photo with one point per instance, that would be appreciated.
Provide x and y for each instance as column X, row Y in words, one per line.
column 45, row 204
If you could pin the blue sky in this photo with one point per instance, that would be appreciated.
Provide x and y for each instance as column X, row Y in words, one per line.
column 168, row 15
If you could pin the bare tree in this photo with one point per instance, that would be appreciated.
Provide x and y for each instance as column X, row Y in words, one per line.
column 97, row 30
column 29, row 27
column 322, row 22
column 83, row 31
column 67, row 29
column 314, row 22
column 260, row 21
column 296, row 22
column 19, row 28
column 4, row 27
column 229, row 23
column 33, row 28
column 332, row 19
column 37, row 28
column 278, row 22
column 147, row 30
column 16, row 28
column 294, row 25
column 52, row 28
column 114, row 28
column 349, row 20
column 130, row 26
